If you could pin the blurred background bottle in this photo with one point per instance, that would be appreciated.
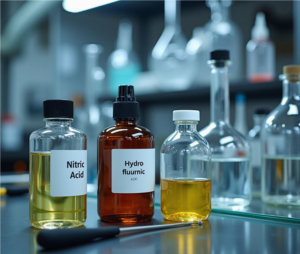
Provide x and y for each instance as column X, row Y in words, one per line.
column 240, row 123
column 260, row 53
column 123, row 64
column 281, row 145
column 169, row 60
column 88, row 110
column 198, row 50
column 254, row 138
column 223, row 33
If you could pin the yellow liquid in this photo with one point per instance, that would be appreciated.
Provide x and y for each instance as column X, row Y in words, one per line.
column 48, row 212
column 185, row 200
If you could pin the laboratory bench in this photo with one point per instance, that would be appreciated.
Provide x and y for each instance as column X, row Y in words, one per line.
column 220, row 234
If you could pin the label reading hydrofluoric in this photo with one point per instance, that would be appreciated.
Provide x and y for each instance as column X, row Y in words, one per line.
column 68, row 173
column 133, row 170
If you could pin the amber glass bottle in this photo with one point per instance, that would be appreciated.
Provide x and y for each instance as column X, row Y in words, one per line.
column 126, row 165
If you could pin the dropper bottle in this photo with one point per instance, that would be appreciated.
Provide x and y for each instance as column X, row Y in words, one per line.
column 260, row 53
column 126, row 165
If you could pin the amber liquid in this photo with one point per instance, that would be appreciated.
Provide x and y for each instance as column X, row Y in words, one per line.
column 185, row 200
column 113, row 207
column 45, row 211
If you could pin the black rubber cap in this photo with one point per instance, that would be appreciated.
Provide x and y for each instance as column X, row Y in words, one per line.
column 262, row 111
column 126, row 106
column 219, row 55
column 58, row 109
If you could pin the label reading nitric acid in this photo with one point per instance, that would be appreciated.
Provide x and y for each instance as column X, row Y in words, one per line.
column 68, row 173
column 133, row 170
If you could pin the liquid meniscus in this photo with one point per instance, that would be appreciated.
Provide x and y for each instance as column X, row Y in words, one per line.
column 48, row 212
column 185, row 200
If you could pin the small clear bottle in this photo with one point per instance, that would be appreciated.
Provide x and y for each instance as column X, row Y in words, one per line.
column 281, row 145
column 58, row 170
column 185, row 165
column 260, row 53
column 255, row 144
column 231, row 171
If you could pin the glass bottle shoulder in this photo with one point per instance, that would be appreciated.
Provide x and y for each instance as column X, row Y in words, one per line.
column 188, row 141
column 284, row 117
column 223, row 136
column 125, row 131
column 259, row 45
column 57, row 133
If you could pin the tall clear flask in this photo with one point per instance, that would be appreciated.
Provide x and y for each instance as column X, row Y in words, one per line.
column 260, row 53
column 169, row 60
column 185, row 160
column 254, row 138
column 123, row 64
column 231, row 171
column 89, row 114
column 223, row 33
column 281, row 145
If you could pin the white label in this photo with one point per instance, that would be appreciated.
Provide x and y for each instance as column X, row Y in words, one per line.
column 133, row 170
column 68, row 169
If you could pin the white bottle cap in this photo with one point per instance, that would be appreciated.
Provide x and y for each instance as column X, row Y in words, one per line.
column 260, row 29
column 186, row 115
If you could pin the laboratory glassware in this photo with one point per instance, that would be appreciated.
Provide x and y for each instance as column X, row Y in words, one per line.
column 260, row 53
column 254, row 138
column 123, row 64
column 198, row 50
column 231, row 171
column 168, row 59
column 185, row 166
column 223, row 33
column 58, row 170
column 240, row 123
column 280, row 136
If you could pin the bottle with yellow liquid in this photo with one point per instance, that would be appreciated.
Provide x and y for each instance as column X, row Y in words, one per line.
column 58, row 170
column 185, row 164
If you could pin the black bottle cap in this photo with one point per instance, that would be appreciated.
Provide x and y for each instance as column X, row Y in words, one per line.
column 58, row 109
column 219, row 55
column 126, row 106
column 262, row 111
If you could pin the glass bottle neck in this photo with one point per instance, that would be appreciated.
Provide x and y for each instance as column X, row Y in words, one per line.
column 291, row 90
column 219, row 93
column 126, row 122
column 219, row 12
column 186, row 126
column 258, row 119
column 172, row 14
column 58, row 122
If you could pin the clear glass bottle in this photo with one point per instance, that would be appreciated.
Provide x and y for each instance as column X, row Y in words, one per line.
column 260, row 53
column 223, row 33
column 126, row 165
column 185, row 167
column 169, row 60
column 123, row 64
column 58, row 175
column 198, row 49
column 231, row 171
column 254, row 139
column 281, row 145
